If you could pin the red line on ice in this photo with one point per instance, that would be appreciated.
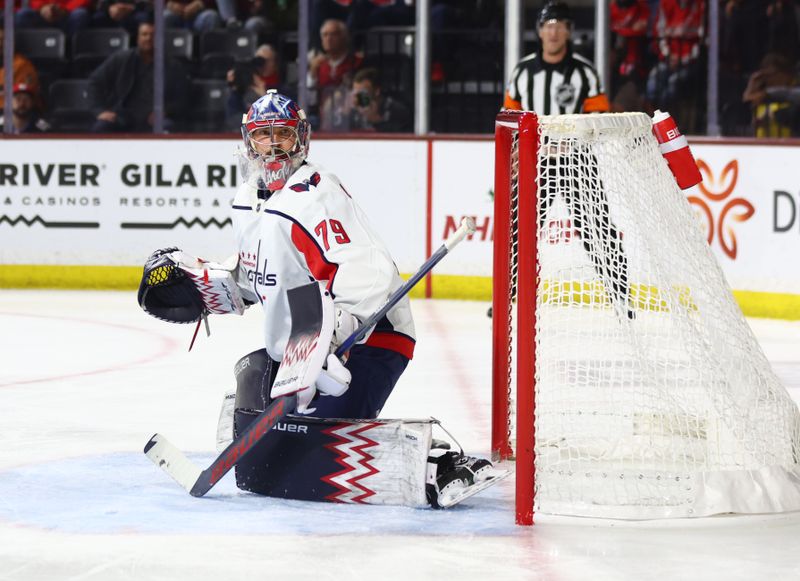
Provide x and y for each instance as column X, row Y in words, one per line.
column 167, row 346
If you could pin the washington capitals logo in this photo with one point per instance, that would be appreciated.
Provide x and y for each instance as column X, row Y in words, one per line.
column 305, row 185
column 351, row 447
column 256, row 270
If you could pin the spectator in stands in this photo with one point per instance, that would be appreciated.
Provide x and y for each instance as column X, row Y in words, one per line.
column 266, row 66
column 24, row 73
column 25, row 112
column 629, row 23
column 679, row 31
column 330, row 75
column 322, row 11
column 121, row 89
column 197, row 15
column 250, row 80
column 372, row 110
column 245, row 86
column 269, row 70
column 336, row 62
column 772, row 98
column 128, row 14
column 67, row 15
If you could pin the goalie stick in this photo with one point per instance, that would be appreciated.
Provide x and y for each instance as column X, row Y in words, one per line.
column 198, row 482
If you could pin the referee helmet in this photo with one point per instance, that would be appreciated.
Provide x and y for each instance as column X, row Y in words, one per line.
column 554, row 10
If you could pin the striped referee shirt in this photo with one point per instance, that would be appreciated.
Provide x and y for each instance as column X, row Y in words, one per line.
column 570, row 86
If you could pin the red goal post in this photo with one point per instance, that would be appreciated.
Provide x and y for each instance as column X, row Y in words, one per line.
column 515, row 212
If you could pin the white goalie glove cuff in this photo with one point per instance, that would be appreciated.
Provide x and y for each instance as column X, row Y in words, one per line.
column 215, row 282
column 335, row 378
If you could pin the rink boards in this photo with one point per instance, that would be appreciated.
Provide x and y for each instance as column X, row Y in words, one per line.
column 87, row 212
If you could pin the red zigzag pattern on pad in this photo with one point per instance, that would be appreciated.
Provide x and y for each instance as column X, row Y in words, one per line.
column 350, row 448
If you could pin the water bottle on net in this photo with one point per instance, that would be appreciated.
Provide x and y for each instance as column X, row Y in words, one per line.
column 675, row 149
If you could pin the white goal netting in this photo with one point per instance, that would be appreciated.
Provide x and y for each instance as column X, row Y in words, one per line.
column 652, row 396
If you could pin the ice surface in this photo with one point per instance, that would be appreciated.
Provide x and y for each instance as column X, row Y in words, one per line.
column 86, row 379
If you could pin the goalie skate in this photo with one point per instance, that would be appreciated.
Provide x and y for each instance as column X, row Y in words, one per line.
column 453, row 477
column 457, row 495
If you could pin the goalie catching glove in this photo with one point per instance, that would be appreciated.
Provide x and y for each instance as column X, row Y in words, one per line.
column 180, row 288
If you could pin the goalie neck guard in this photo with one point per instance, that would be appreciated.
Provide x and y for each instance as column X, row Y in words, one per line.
column 276, row 135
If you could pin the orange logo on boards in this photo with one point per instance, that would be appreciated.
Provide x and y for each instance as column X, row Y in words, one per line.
column 718, row 191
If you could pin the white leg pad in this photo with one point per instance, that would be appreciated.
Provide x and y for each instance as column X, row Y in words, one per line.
column 388, row 459
column 225, row 423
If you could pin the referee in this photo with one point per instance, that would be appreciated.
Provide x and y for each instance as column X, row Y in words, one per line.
column 557, row 81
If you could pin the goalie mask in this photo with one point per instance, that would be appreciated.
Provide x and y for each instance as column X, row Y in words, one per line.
column 276, row 136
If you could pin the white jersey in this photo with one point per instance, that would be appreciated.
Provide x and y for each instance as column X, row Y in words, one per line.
column 313, row 230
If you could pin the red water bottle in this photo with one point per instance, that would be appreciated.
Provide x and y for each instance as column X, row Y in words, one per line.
column 675, row 150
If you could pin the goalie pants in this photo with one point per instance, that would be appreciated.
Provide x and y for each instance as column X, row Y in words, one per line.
column 375, row 372
column 295, row 459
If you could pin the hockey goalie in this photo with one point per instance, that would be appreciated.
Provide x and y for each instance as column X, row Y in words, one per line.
column 297, row 227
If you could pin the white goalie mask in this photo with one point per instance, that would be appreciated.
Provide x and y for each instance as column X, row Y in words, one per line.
column 276, row 135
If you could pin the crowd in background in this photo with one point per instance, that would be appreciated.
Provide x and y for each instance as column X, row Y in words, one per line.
column 661, row 61
column 659, row 57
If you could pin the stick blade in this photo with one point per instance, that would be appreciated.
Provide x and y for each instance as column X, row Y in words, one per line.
column 172, row 461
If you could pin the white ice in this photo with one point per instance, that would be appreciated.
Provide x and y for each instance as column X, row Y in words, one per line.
column 86, row 378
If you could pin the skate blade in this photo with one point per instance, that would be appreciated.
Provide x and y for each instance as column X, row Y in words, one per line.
column 465, row 493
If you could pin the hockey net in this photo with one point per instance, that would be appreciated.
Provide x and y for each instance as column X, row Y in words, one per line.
column 626, row 382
